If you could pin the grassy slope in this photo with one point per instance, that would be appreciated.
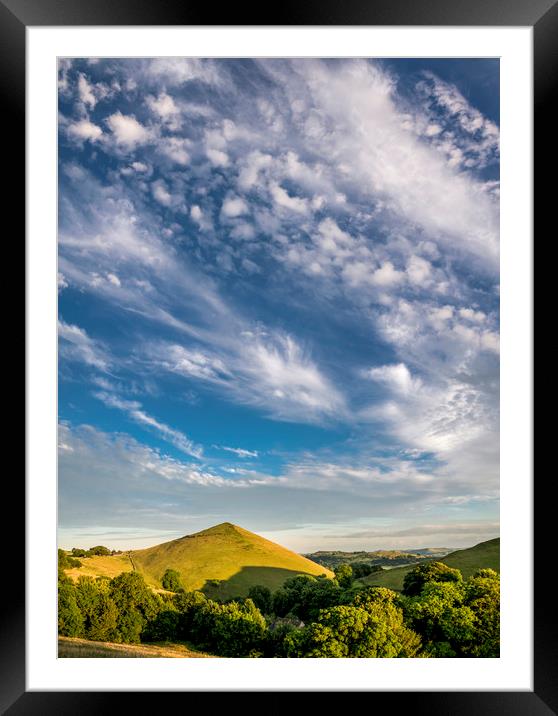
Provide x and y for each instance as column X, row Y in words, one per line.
column 485, row 554
column 101, row 566
column 82, row 648
column 225, row 552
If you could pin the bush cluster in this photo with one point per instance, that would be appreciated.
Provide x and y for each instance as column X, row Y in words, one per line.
column 438, row 615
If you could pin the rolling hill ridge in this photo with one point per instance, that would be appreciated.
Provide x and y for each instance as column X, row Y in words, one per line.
column 481, row 556
column 222, row 561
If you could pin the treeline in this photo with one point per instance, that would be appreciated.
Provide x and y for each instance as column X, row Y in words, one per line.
column 438, row 614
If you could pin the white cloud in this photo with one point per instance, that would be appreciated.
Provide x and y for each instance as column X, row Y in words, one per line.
column 397, row 377
column 387, row 275
column 127, row 131
column 83, row 130
column 239, row 451
column 175, row 149
column 472, row 315
column 419, row 271
column 160, row 193
column 217, row 157
column 177, row 71
column 113, row 278
column 189, row 362
column 234, row 206
column 85, row 91
column 78, row 346
column 163, row 106
column 283, row 199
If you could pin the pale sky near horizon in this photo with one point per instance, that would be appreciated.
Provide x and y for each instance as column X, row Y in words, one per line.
column 279, row 301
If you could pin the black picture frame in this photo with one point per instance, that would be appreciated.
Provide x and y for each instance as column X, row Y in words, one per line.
column 542, row 15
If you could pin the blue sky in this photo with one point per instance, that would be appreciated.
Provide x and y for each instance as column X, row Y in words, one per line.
column 279, row 300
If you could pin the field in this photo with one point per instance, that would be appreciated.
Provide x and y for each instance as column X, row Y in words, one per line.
column 82, row 648
column 483, row 555
column 101, row 567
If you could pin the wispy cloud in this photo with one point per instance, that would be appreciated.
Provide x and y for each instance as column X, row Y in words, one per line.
column 76, row 345
column 134, row 410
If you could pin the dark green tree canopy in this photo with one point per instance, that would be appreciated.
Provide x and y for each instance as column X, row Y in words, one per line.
column 430, row 572
column 172, row 580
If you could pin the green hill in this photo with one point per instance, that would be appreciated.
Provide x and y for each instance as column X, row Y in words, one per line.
column 482, row 555
column 223, row 561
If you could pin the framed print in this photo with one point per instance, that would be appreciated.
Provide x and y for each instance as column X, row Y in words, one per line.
column 269, row 270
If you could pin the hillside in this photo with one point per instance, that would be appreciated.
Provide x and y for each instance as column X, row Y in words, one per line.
column 380, row 557
column 482, row 555
column 97, row 566
column 225, row 560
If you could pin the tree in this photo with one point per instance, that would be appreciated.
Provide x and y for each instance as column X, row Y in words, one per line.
column 261, row 596
column 172, row 580
column 304, row 596
column 70, row 619
column 415, row 580
column 347, row 631
column 439, row 613
column 482, row 596
column 234, row 629
column 99, row 550
column 98, row 609
column 344, row 575
column 164, row 627
column 136, row 603
column 187, row 605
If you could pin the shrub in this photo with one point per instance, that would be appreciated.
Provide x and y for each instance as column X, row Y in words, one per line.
column 171, row 580
column 261, row 596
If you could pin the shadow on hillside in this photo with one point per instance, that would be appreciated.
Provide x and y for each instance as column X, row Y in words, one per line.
column 239, row 584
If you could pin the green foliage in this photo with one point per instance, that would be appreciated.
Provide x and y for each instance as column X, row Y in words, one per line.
column 439, row 615
column 99, row 611
column 187, row 604
column 70, row 619
column 76, row 552
column 172, row 580
column 99, row 550
column 67, row 562
column 346, row 631
column 304, row 596
column 344, row 575
column 234, row 629
column 415, row 580
column 276, row 641
column 164, row 627
column 261, row 596
column 363, row 569
column 136, row 603
column 459, row 618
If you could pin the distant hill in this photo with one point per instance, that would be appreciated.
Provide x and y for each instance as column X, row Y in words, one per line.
column 482, row 555
column 223, row 561
column 380, row 557
column 432, row 551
